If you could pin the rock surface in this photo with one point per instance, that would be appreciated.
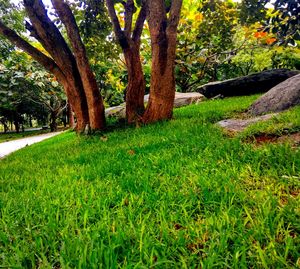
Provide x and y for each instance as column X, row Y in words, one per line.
column 255, row 83
column 238, row 125
column 181, row 99
column 281, row 97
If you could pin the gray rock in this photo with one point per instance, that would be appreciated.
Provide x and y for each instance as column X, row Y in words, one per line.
column 238, row 125
column 279, row 98
column 181, row 99
column 116, row 111
column 246, row 85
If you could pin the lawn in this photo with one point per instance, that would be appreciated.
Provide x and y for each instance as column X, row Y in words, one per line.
column 177, row 194
column 13, row 136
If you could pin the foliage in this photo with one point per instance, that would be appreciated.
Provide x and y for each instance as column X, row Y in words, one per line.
column 205, row 37
column 176, row 194
column 252, row 11
column 27, row 89
column 285, row 21
column 281, row 17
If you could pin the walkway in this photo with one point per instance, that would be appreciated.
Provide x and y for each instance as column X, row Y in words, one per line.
column 11, row 146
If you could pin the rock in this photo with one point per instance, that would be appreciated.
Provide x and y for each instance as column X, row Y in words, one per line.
column 184, row 99
column 255, row 83
column 279, row 98
column 116, row 111
column 238, row 125
column 181, row 99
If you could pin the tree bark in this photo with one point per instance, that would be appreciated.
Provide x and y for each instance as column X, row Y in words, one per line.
column 136, row 85
column 70, row 116
column 129, row 40
column 163, row 32
column 94, row 99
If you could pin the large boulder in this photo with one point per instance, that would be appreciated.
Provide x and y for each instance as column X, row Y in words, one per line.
column 279, row 98
column 247, row 85
column 181, row 99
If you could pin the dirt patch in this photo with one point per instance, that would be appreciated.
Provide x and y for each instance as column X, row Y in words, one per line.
column 293, row 139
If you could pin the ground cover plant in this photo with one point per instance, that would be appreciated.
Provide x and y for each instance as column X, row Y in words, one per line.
column 176, row 194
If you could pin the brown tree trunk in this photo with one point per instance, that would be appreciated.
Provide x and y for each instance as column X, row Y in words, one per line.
column 78, row 104
column 163, row 32
column 90, row 87
column 136, row 85
column 129, row 40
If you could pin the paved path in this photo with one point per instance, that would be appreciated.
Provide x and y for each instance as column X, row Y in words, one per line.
column 11, row 146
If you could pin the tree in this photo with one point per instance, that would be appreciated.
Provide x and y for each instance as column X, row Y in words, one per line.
column 130, row 40
column 69, row 65
column 163, row 19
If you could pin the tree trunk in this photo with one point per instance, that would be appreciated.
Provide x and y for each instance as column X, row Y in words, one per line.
column 30, row 121
column 136, row 85
column 53, row 118
column 90, row 87
column 163, row 32
column 17, row 124
column 78, row 104
column 129, row 40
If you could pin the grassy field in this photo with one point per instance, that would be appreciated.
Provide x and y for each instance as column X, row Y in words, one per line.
column 177, row 194
column 13, row 136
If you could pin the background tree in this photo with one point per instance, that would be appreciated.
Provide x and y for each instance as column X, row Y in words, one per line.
column 29, row 92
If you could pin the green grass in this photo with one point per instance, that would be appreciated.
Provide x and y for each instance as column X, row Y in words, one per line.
column 284, row 123
column 13, row 136
column 177, row 194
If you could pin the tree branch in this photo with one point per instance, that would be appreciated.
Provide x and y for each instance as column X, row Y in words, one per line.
column 174, row 14
column 41, row 58
column 116, row 25
column 138, row 29
column 48, row 34
column 129, row 10
column 65, row 14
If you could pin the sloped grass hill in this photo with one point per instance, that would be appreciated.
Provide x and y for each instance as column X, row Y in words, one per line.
column 177, row 194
